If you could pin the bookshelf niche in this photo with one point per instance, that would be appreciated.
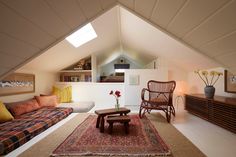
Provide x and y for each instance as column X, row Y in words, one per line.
column 78, row 72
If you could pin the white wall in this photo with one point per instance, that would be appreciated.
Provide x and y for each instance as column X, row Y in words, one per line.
column 43, row 85
column 152, row 65
column 196, row 85
column 133, row 92
column 94, row 67
column 97, row 92
column 177, row 74
column 130, row 94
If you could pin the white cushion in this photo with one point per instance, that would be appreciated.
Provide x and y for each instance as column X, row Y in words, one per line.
column 79, row 107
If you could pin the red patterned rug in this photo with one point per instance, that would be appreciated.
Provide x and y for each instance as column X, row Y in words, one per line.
column 86, row 139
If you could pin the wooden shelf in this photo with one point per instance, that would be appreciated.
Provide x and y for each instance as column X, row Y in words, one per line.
column 75, row 71
column 78, row 72
column 76, row 76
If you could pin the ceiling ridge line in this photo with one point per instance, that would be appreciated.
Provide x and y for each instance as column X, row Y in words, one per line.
column 21, row 40
column 176, row 14
column 82, row 10
column 56, row 13
column 119, row 29
column 154, row 8
column 222, row 7
column 218, row 38
column 19, row 14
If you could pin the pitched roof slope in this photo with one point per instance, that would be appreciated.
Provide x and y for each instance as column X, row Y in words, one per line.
column 28, row 28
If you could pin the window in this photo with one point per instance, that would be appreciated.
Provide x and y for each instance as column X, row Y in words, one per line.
column 82, row 36
column 119, row 70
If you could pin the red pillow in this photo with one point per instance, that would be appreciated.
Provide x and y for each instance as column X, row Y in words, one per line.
column 44, row 101
column 19, row 108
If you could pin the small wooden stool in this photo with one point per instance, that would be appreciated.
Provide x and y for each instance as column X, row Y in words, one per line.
column 121, row 119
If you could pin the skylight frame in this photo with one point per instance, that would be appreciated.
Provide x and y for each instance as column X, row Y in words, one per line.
column 82, row 36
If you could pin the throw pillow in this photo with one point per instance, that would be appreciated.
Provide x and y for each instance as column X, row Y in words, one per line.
column 5, row 115
column 64, row 94
column 47, row 101
column 58, row 99
column 21, row 107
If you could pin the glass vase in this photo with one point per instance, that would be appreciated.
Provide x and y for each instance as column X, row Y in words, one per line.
column 117, row 105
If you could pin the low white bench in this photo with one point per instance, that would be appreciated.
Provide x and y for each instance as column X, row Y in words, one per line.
column 79, row 107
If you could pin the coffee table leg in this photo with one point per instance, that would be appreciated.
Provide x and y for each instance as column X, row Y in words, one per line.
column 102, row 124
column 98, row 122
column 110, row 127
column 126, row 124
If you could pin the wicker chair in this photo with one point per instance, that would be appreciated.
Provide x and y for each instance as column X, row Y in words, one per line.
column 159, row 98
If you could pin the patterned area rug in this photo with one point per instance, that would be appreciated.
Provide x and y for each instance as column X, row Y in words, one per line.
column 86, row 139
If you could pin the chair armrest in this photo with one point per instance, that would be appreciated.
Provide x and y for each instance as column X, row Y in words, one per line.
column 143, row 93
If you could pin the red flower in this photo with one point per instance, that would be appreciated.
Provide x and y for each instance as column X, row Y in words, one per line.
column 111, row 92
column 117, row 93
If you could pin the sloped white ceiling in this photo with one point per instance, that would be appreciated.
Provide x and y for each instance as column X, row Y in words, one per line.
column 144, row 38
column 121, row 33
column 64, row 54
column 208, row 26
column 107, row 47
column 30, row 27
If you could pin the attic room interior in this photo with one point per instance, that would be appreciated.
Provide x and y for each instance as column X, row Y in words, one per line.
column 93, row 77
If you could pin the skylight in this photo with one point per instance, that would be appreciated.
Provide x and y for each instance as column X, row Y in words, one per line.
column 82, row 36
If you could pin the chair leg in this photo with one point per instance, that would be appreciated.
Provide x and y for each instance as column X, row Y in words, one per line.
column 173, row 110
column 167, row 117
column 140, row 112
column 145, row 110
column 110, row 128
column 168, row 114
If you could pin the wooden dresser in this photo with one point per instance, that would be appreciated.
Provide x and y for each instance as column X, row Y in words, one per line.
column 220, row 110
